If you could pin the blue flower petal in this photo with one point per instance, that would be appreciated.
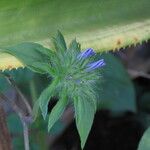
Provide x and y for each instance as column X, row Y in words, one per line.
column 87, row 53
column 98, row 64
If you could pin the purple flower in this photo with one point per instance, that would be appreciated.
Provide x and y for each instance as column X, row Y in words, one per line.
column 95, row 65
column 87, row 53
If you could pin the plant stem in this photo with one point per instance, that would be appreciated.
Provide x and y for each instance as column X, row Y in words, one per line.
column 26, row 136
column 25, row 132
column 25, row 119
column 19, row 112
column 12, row 82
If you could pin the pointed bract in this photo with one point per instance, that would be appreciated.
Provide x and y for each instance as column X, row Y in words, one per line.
column 59, row 42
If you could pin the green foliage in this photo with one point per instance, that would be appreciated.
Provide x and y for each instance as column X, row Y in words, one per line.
column 21, row 75
column 73, row 85
column 59, row 42
column 57, row 110
column 46, row 96
column 84, row 111
column 101, row 24
column 3, row 84
column 116, row 91
column 29, row 53
column 145, row 141
column 71, row 82
column 36, row 20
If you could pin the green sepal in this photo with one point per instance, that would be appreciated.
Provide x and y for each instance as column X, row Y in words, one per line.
column 44, row 68
column 75, row 46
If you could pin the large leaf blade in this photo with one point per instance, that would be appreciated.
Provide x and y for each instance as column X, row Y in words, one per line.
column 35, row 19
column 108, row 25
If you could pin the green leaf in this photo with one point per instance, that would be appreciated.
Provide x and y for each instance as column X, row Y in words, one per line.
column 28, row 53
column 145, row 141
column 84, row 115
column 21, row 73
column 57, row 110
column 45, row 97
column 59, row 42
column 4, row 85
column 90, row 21
column 44, row 68
column 100, row 24
column 116, row 90
column 46, row 52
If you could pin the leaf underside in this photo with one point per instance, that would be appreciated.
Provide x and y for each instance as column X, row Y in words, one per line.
column 103, row 25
